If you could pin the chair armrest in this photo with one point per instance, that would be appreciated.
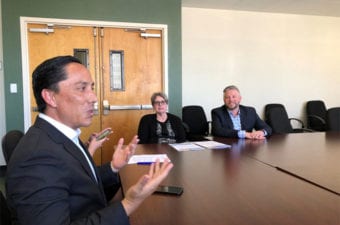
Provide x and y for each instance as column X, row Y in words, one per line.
column 298, row 120
column 186, row 127
column 306, row 130
column 317, row 117
column 302, row 128
column 209, row 127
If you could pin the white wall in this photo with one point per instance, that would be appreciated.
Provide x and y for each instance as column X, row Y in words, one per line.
column 271, row 57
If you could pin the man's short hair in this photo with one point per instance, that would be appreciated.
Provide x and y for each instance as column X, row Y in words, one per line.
column 231, row 87
column 47, row 76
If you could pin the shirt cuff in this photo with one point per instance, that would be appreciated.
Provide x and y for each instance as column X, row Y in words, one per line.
column 113, row 169
column 241, row 134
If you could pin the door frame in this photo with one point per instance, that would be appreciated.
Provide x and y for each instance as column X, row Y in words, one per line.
column 24, row 21
column 2, row 94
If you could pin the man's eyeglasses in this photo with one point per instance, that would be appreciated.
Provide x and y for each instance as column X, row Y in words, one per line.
column 159, row 102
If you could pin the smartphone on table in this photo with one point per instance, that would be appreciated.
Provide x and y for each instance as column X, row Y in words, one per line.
column 169, row 190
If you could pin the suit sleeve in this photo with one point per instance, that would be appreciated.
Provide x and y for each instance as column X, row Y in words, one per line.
column 250, row 120
column 40, row 191
column 261, row 125
column 143, row 130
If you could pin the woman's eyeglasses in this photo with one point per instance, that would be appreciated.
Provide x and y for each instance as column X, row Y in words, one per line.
column 159, row 102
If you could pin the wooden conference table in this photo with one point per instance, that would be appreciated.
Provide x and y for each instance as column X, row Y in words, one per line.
column 287, row 179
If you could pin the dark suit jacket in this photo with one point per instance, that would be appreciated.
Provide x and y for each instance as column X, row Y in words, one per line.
column 223, row 126
column 50, row 182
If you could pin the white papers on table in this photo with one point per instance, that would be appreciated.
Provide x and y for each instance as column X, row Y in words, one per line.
column 147, row 158
column 199, row 145
column 212, row 144
column 186, row 146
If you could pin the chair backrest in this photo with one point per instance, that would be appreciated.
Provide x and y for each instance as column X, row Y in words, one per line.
column 333, row 119
column 316, row 115
column 5, row 216
column 277, row 118
column 194, row 117
column 9, row 142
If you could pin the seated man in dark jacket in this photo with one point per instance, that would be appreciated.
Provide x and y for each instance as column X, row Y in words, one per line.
column 235, row 120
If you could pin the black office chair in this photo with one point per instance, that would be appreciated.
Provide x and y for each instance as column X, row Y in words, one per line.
column 333, row 119
column 9, row 142
column 5, row 216
column 277, row 118
column 316, row 115
column 195, row 122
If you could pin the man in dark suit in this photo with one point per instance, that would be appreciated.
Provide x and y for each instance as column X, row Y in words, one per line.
column 51, row 177
column 235, row 120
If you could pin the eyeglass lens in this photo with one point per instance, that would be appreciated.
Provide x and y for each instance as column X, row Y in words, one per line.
column 159, row 102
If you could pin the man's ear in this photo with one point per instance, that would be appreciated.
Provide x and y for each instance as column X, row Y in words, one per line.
column 49, row 98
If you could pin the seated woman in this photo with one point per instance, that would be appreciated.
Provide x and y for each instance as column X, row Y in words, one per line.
column 161, row 127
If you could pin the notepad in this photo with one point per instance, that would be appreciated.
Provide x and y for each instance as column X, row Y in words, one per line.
column 212, row 144
column 199, row 145
column 186, row 146
column 147, row 158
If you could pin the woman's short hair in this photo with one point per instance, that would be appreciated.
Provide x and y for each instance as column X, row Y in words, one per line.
column 160, row 94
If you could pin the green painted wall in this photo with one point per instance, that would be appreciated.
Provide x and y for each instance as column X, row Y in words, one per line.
column 134, row 11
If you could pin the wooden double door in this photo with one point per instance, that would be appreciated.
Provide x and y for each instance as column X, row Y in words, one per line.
column 127, row 68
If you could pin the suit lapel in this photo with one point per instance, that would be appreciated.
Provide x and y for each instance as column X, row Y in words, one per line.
column 243, row 117
column 73, row 150
column 76, row 153
column 69, row 146
column 91, row 160
column 227, row 116
column 99, row 181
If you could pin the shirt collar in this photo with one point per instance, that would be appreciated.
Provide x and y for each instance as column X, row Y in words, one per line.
column 231, row 113
column 66, row 130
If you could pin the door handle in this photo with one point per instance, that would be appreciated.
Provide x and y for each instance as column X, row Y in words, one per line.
column 130, row 107
column 107, row 107
column 125, row 107
column 146, row 107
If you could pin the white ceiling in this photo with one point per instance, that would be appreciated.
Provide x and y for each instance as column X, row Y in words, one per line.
column 306, row 7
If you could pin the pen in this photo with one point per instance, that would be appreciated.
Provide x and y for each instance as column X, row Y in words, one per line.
column 144, row 163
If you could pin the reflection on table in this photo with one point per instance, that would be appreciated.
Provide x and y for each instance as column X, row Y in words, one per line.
column 243, row 185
